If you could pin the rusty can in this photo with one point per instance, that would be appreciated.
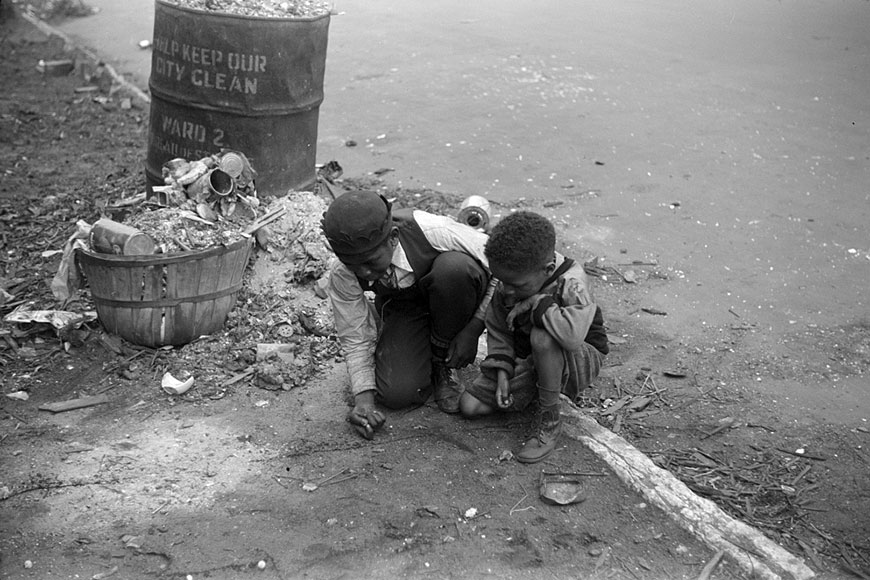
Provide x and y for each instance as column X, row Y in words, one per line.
column 111, row 237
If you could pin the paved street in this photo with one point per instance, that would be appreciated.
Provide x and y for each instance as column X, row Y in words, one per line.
column 728, row 141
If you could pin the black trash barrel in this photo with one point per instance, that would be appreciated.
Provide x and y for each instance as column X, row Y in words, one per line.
column 250, row 84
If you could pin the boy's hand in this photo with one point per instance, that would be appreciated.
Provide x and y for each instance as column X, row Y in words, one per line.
column 463, row 348
column 364, row 416
column 522, row 307
column 503, row 397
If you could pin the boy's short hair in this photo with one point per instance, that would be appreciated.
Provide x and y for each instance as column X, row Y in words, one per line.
column 521, row 242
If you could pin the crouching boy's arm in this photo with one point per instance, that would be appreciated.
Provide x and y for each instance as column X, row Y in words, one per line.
column 356, row 326
column 570, row 324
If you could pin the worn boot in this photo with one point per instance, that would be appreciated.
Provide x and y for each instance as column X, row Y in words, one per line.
column 543, row 441
column 447, row 387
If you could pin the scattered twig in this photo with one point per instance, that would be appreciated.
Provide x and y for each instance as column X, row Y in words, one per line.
column 760, row 426
column 654, row 311
column 727, row 424
column 154, row 358
column 265, row 220
column 525, row 495
column 14, row 416
column 236, row 378
column 50, row 485
column 811, row 554
column 800, row 475
column 181, row 244
column 576, row 473
column 333, row 476
column 618, row 385
column 162, row 506
column 711, row 565
column 804, row 455
column 850, row 564
column 622, row 564
column 340, row 479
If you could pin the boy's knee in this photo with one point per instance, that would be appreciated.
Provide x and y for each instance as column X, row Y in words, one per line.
column 403, row 399
column 543, row 341
column 457, row 266
column 450, row 261
column 470, row 406
column 395, row 397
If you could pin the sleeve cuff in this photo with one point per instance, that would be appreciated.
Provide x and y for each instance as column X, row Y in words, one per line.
column 538, row 315
column 499, row 361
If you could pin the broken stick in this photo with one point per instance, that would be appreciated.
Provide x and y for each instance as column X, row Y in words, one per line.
column 265, row 220
column 753, row 552
column 711, row 565
column 79, row 403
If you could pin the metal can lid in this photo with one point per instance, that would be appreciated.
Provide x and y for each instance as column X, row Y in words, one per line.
column 474, row 217
column 139, row 244
column 233, row 164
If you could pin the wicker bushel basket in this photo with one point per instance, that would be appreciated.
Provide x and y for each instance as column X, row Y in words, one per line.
column 165, row 299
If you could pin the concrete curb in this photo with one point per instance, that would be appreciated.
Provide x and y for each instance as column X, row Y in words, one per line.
column 120, row 80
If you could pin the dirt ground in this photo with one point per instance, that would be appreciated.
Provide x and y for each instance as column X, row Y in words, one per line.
column 234, row 474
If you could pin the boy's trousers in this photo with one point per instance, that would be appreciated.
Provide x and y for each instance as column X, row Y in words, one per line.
column 420, row 319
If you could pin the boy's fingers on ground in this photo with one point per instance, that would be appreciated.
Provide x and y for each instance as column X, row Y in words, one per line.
column 376, row 419
column 365, row 430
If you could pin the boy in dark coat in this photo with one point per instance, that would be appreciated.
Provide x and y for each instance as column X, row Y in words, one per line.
column 545, row 334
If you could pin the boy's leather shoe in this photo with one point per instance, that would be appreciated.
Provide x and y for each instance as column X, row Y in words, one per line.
column 447, row 387
column 543, row 441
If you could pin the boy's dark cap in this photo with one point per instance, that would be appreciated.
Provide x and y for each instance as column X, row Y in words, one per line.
column 357, row 222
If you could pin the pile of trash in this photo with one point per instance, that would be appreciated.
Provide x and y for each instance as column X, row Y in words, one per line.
column 206, row 202
column 203, row 204
column 260, row 8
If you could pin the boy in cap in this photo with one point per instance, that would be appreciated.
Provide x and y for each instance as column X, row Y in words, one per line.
column 545, row 334
column 431, row 284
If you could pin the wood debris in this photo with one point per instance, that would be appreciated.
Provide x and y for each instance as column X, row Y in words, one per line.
column 80, row 403
column 762, row 489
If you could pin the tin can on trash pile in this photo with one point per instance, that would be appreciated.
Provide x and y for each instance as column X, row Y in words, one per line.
column 233, row 164
column 474, row 212
column 111, row 237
